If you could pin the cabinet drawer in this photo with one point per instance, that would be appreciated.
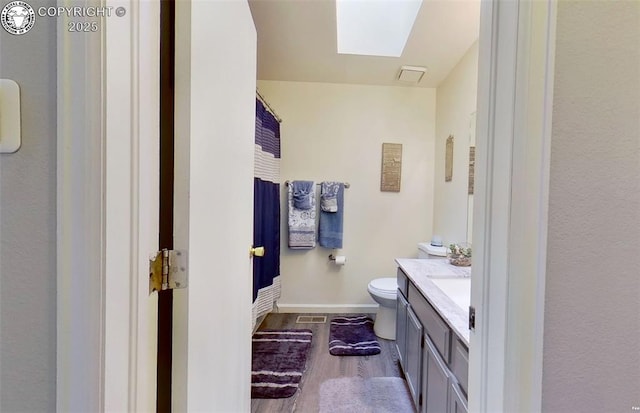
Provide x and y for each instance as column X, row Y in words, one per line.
column 434, row 326
column 403, row 282
column 460, row 363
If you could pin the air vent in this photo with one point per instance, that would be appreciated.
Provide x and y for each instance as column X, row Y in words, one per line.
column 411, row 74
column 317, row 319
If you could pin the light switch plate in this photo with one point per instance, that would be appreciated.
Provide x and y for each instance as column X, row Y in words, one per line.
column 9, row 116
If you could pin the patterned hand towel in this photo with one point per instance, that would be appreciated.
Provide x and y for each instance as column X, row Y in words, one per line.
column 329, row 196
column 302, row 222
column 331, row 223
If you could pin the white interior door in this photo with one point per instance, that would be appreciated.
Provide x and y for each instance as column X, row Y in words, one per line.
column 106, row 355
column 214, row 148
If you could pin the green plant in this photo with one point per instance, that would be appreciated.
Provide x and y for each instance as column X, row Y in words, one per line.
column 459, row 250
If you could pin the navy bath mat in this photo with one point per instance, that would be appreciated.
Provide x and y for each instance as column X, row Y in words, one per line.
column 278, row 359
column 352, row 336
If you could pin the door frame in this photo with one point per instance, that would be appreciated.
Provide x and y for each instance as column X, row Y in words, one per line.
column 107, row 203
column 100, row 230
column 515, row 101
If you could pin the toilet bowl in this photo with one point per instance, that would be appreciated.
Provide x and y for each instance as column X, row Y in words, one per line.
column 385, row 292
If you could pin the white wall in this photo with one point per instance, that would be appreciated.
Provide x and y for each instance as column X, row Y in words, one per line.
column 335, row 132
column 28, row 226
column 456, row 101
column 592, row 302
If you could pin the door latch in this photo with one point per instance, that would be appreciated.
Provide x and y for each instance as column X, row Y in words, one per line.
column 472, row 318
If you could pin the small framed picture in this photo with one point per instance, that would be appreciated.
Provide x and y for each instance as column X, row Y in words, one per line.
column 391, row 172
column 448, row 160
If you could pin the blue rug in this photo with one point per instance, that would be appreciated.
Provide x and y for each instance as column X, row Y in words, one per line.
column 353, row 336
column 278, row 360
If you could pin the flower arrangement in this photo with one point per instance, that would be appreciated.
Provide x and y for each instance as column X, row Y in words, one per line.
column 460, row 255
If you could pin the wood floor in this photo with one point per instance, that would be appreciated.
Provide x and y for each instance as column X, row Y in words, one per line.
column 322, row 366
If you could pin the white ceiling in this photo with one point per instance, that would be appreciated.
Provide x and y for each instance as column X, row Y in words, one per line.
column 297, row 42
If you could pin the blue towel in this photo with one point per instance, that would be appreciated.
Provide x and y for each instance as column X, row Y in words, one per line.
column 302, row 191
column 331, row 223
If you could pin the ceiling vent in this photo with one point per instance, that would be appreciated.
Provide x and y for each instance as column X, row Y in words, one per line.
column 411, row 74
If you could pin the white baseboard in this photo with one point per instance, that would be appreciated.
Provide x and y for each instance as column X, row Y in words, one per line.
column 326, row 308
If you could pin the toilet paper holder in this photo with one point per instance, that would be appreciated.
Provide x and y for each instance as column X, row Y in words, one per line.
column 338, row 259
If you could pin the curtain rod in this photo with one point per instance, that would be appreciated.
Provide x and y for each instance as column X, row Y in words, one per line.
column 273, row 112
column 346, row 184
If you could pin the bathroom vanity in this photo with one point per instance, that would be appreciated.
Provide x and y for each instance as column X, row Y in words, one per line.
column 432, row 334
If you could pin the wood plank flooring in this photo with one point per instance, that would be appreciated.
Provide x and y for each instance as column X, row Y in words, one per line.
column 322, row 366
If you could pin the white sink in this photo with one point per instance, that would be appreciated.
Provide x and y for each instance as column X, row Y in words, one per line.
column 457, row 289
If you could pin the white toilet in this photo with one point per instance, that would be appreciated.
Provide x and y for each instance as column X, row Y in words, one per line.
column 385, row 292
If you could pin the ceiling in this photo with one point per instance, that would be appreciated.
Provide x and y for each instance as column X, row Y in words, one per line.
column 297, row 42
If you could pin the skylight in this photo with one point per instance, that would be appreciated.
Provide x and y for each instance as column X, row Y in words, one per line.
column 375, row 27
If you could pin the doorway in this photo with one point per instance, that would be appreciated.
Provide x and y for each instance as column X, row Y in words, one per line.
column 123, row 382
column 333, row 111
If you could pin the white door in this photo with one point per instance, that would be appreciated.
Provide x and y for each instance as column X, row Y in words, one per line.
column 107, row 356
column 214, row 149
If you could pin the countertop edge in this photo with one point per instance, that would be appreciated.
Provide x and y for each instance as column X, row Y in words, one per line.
column 456, row 317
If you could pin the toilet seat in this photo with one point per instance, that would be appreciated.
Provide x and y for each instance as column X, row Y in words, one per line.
column 384, row 287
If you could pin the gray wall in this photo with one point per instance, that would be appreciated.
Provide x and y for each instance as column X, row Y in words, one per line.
column 592, row 313
column 27, row 226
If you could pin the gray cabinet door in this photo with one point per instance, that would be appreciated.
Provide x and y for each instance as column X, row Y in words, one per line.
column 435, row 380
column 457, row 401
column 413, row 361
column 460, row 364
column 401, row 329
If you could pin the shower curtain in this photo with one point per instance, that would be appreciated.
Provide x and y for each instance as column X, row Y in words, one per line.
column 266, row 212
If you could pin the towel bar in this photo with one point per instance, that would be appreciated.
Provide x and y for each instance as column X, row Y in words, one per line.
column 346, row 184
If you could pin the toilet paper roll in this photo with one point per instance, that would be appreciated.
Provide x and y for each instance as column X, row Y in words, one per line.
column 341, row 259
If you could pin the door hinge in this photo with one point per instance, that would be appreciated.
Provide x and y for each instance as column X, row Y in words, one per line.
column 472, row 318
column 168, row 270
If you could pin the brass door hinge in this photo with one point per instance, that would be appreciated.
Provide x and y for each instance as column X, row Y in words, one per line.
column 168, row 270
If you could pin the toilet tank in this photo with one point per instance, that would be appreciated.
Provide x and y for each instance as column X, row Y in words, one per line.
column 426, row 250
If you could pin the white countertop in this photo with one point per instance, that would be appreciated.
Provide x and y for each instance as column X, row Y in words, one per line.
column 446, row 287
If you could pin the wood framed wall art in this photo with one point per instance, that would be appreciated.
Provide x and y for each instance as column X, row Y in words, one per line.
column 391, row 171
column 472, row 167
column 448, row 160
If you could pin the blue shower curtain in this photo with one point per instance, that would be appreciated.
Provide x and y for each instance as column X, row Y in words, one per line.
column 266, row 212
